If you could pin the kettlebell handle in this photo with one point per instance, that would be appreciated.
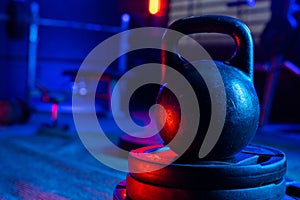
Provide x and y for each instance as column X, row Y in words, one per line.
column 243, row 56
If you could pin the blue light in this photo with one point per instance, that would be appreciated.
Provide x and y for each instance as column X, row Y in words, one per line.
column 251, row 3
column 125, row 17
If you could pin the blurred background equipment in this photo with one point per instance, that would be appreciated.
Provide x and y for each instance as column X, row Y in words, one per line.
column 281, row 42
column 21, row 19
column 14, row 111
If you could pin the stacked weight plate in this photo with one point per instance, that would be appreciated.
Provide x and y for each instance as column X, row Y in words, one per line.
column 255, row 173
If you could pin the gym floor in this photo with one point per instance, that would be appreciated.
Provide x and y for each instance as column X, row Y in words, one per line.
column 53, row 164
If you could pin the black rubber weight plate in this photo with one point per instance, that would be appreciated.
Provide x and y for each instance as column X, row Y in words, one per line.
column 120, row 193
column 137, row 190
column 255, row 166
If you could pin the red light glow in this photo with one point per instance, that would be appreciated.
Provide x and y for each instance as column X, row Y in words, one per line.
column 168, row 115
column 154, row 6
column 171, row 117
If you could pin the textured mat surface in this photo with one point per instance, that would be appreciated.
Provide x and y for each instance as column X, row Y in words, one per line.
column 52, row 168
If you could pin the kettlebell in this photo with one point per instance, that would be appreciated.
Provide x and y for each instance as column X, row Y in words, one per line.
column 242, row 105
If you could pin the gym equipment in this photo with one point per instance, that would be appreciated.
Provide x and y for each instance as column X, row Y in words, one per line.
column 242, row 109
column 22, row 17
column 253, row 166
column 13, row 111
column 280, row 41
column 234, row 169
column 255, row 173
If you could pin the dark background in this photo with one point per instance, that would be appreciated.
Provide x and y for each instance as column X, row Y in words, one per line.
column 63, row 49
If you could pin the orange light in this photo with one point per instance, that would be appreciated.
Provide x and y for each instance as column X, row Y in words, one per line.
column 172, row 120
column 154, row 6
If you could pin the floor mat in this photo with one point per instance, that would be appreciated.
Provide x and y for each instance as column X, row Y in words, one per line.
column 47, row 167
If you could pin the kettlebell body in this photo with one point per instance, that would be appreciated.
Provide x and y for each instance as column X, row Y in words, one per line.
column 242, row 105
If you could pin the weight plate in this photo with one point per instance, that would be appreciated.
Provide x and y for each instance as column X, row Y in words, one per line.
column 254, row 166
column 138, row 190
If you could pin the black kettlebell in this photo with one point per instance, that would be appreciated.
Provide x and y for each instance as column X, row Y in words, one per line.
column 242, row 105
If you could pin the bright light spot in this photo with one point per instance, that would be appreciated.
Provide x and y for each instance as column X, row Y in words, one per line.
column 154, row 6
column 82, row 91
column 125, row 17
column 251, row 3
